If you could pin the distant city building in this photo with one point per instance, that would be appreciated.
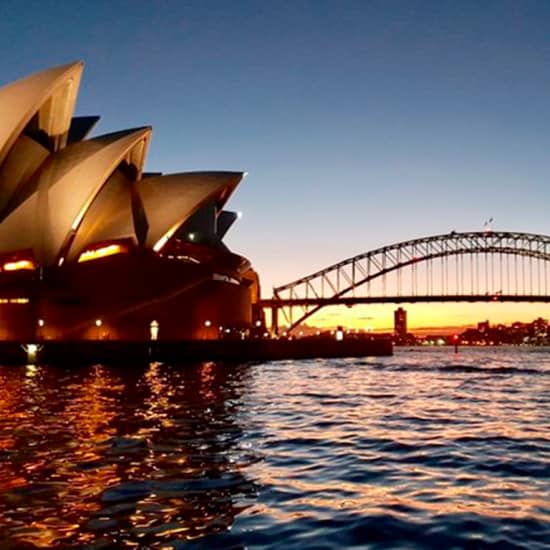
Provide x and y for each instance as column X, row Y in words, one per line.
column 535, row 333
column 540, row 330
column 483, row 326
column 400, row 324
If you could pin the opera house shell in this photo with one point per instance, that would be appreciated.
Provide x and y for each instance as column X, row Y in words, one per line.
column 91, row 247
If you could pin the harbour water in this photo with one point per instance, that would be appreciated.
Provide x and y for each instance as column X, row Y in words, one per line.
column 425, row 449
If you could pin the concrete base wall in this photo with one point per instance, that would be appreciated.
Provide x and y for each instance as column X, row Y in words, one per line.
column 119, row 298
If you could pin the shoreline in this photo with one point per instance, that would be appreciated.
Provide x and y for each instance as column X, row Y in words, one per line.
column 124, row 352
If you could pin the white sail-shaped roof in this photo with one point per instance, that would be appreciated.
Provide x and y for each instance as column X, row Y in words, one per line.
column 108, row 218
column 167, row 203
column 40, row 106
column 170, row 200
column 23, row 161
column 60, row 194
column 50, row 94
column 64, row 190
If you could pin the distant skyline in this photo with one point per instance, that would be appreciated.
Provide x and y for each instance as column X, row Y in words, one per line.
column 429, row 317
column 360, row 123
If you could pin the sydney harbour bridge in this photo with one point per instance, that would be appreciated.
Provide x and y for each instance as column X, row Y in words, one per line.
column 487, row 266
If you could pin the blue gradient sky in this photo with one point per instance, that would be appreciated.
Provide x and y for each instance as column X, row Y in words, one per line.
column 360, row 123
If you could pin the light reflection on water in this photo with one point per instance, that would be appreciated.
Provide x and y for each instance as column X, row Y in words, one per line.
column 423, row 449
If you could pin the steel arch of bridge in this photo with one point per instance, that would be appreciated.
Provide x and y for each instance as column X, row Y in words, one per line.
column 330, row 286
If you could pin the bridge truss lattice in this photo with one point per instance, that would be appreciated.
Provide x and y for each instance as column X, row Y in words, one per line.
column 471, row 266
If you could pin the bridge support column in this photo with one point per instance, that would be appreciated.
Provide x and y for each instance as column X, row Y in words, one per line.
column 275, row 320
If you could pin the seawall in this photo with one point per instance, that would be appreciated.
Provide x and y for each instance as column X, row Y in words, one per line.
column 123, row 352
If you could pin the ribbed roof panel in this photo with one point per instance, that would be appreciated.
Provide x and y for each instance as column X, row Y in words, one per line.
column 172, row 199
column 64, row 190
column 21, row 100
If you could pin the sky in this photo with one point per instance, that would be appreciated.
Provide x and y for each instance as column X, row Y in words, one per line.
column 360, row 123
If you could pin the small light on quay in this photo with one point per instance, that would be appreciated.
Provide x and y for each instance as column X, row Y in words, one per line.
column 31, row 350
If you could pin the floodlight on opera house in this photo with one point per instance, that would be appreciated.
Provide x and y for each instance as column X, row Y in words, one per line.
column 86, row 233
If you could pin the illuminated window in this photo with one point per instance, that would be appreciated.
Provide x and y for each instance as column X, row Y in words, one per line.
column 14, row 300
column 102, row 252
column 16, row 266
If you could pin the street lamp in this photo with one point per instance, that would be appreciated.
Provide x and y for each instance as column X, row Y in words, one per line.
column 207, row 325
column 154, row 330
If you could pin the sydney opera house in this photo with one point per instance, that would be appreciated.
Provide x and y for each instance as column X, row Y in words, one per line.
column 93, row 247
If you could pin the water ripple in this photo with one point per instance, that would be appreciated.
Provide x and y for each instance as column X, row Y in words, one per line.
column 425, row 449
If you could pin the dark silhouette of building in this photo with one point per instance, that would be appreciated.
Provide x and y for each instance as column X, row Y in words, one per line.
column 400, row 324
column 483, row 327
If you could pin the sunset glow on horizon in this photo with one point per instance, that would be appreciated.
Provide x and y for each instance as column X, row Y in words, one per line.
column 422, row 317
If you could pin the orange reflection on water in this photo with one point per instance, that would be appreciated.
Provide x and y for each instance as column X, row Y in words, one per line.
column 64, row 478
column 139, row 457
column 158, row 402
column 17, row 413
column 207, row 374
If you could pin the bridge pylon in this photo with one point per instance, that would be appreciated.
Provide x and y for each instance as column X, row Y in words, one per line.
column 275, row 319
